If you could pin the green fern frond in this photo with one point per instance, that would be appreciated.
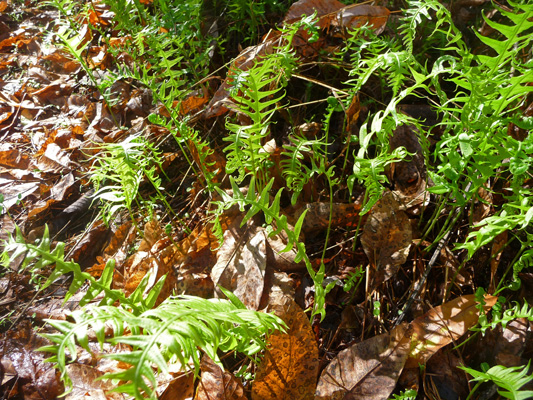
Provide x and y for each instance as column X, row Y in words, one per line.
column 296, row 173
column 255, row 99
column 179, row 327
column 40, row 256
column 509, row 379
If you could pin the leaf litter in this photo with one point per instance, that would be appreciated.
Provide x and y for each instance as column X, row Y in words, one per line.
column 49, row 130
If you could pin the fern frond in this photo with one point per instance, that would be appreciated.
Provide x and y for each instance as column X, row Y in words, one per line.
column 254, row 98
column 40, row 255
column 510, row 379
column 296, row 173
column 178, row 327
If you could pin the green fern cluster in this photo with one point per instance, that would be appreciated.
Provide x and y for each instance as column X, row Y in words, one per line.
column 120, row 169
column 175, row 331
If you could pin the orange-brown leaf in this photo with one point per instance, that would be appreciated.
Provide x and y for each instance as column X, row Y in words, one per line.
column 290, row 366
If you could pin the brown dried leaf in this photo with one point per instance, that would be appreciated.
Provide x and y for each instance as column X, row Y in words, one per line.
column 290, row 366
column 333, row 13
column 410, row 175
column 496, row 254
column 386, row 238
column 218, row 384
column 86, row 384
column 13, row 158
column 308, row 7
column 443, row 325
column 357, row 15
column 352, row 113
column 241, row 263
column 367, row 370
column 318, row 215
column 180, row 388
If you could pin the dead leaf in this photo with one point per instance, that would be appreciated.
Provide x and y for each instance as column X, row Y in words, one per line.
column 217, row 383
column 241, row 263
column 181, row 388
column 290, row 366
column 442, row 325
column 352, row 114
column 386, row 238
column 308, row 7
column 318, row 215
column 409, row 175
column 334, row 14
column 14, row 159
column 367, row 370
column 86, row 384
column 496, row 254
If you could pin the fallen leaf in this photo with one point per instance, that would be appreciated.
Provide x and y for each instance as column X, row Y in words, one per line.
column 496, row 254
column 386, row 238
column 217, row 383
column 86, row 384
column 241, row 263
column 409, row 175
column 367, row 370
column 308, row 7
column 290, row 366
column 442, row 325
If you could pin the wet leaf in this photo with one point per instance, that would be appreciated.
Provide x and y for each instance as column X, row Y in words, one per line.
column 367, row 370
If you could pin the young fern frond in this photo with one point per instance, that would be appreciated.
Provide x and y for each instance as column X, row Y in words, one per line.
column 254, row 98
column 296, row 173
column 414, row 16
column 518, row 39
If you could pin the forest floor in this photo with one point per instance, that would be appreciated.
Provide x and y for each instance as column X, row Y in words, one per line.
column 294, row 173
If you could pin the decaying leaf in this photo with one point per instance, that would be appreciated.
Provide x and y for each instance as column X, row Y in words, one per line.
column 443, row 325
column 318, row 215
column 496, row 254
column 217, row 383
column 367, row 370
column 386, row 238
column 290, row 366
column 241, row 263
